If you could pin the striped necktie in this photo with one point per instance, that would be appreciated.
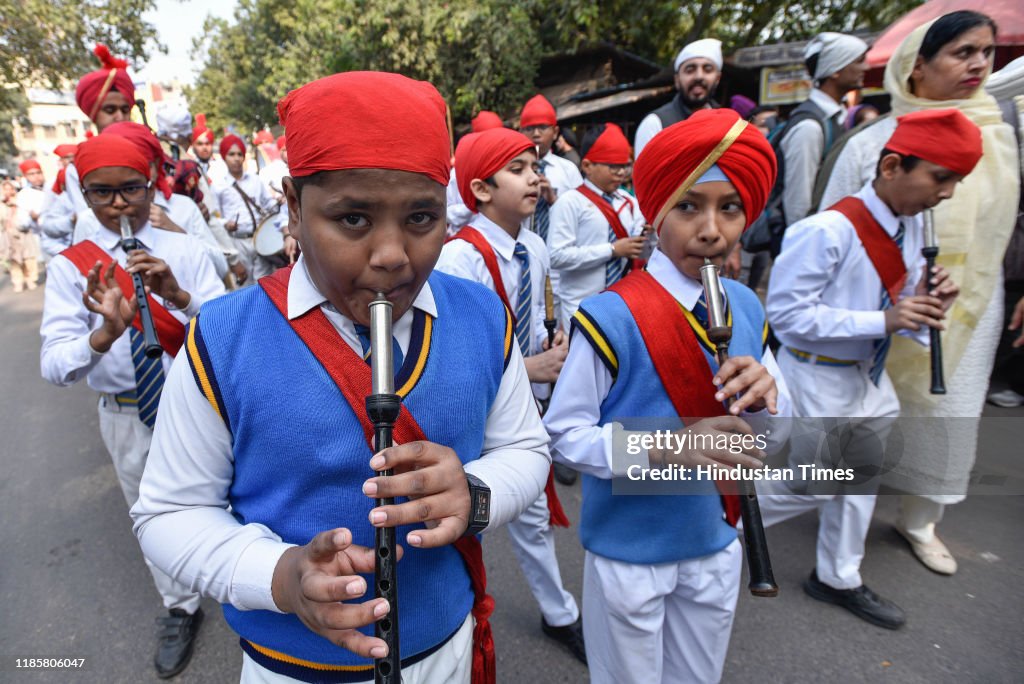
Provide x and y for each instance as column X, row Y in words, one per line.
column 881, row 347
column 523, row 301
column 614, row 269
column 540, row 216
column 700, row 311
column 149, row 378
column 364, row 340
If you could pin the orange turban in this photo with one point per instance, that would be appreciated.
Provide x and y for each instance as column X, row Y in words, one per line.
column 942, row 136
column 678, row 156
column 94, row 86
column 611, row 147
column 537, row 112
column 485, row 120
column 367, row 120
column 481, row 155
column 29, row 165
column 65, row 150
column 109, row 150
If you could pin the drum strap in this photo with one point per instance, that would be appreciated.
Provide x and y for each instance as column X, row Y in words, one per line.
column 249, row 202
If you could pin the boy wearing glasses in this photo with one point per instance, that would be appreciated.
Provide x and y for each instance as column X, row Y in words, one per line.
column 596, row 229
column 90, row 330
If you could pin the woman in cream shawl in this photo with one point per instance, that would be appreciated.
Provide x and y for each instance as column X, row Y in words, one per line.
column 973, row 228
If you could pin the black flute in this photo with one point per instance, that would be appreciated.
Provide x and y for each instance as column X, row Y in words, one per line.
column 930, row 251
column 759, row 564
column 383, row 407
column 141, row 104
column 149, row 336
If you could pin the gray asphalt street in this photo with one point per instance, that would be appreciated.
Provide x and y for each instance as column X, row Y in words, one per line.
column 73, row 583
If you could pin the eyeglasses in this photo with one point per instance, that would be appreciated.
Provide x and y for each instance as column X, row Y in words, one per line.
column 132, row 194
column 530, row 130
column 619, row 168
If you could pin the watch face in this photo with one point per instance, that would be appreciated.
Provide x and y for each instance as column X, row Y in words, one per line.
column 481, row 506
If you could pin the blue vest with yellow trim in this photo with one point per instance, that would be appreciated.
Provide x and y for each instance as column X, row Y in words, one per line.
column 300, row 455
column 653, row 529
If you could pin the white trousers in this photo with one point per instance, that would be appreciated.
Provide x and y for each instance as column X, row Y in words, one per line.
column 452, row 663
column 919, row 516
column 533, row 542
column 665, row 623
column 127, row 439
column 832, row 393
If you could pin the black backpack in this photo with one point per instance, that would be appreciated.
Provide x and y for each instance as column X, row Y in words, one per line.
column 767, row 231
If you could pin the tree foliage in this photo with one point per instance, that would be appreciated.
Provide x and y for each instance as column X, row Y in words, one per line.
column 481, row 54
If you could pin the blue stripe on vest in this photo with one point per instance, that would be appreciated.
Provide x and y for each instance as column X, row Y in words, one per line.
column 301, row 457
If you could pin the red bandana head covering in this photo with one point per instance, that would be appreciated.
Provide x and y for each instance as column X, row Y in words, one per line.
column 148, row 144
column 109, row 150
column 481, row 155
column 94, row 86
column 611, row 147
column 29, row 165
column 389, row 122
column 918, row 134
column 281, row 142
column 229, row 141
column 537, row 112
column 485, row 121
column 201, row 132
column 65, row 150
column 186, row 179
column 678, row 156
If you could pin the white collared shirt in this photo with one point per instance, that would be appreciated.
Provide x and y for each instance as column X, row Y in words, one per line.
column 234, row 208
column 57, row 222
column 579, row 246
column 575, row 411
column 824, row 296
column 802, row 149
column 460, row 258
column 561, row 173
column 66, row 356
column 182, row 211
column 182, row 519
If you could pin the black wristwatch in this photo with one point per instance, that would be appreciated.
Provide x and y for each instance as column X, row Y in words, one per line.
column 479, row 507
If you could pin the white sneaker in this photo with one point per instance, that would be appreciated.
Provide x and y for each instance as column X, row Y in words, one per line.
column 1006, row 399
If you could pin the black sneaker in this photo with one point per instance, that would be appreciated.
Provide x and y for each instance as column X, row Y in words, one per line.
column 175, row 640
column 570, row 636
column 862, row 602
column 565, row 474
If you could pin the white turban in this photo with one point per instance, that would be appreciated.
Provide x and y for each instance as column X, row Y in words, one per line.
column 174, row 120
column 708, row 48
column 835, row 52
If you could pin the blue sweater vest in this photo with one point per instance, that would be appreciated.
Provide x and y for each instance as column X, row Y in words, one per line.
column 301, row 458
column 656, row 528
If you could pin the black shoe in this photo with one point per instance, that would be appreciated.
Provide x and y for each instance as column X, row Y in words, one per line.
column 861, row 601
column 570, row 636
column 175, row 640
column 565, row 474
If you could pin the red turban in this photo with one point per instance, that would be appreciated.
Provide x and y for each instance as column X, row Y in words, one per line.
column 263, row 137
column 94, row 86
column 485, row 120
column 109, row 150
column 229, row 141
column 481, row 155
column 201, row 132
column 148, row 144
column 537, row 112
column 64, row 150
column 941, row 136
column 611, row 147
column 281, row 142
column 29, row 165
column 367, row 120
column 678, row 156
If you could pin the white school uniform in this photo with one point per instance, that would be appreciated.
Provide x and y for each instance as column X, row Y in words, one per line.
column 642, row 623
column 67, row 357
column 579, row 245
column 234, row 208
column 824, row 303
column 532, row 537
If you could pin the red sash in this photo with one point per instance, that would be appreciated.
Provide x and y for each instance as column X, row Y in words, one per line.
column 883, row 251
column 556, row 514
column 612, row 216
column 352, row 376
column 169, row 329
column 677, row 357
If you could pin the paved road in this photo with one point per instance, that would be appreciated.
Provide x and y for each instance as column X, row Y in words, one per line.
column 72, row 580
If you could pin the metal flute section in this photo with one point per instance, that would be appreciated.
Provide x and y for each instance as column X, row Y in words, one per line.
column 382, row 361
